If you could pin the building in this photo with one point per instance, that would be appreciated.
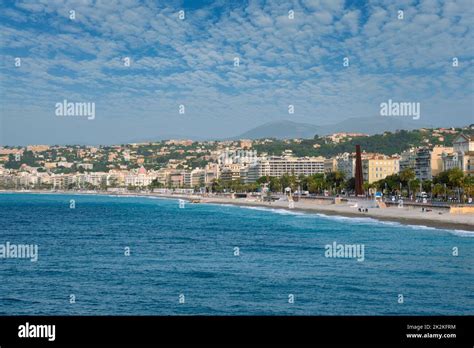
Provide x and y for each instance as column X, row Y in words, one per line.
column 461, row 155
column 378, row 167
column 163, row 176
column 339, row 137
column 86, row 166
column 246, row 144
column 463, row 143
column 425, row 162
column 469, row 160
column 330, row 165
column 296, row 166
column 231, row 172
column 408, row 159
column 176, row 179
column 346, row 163
column 37, row 148
column 140, row 178
column 278, row 166
column 212, row 173
column 197, row 178
column 257, row 170
column 437, row 158
column 451, row 161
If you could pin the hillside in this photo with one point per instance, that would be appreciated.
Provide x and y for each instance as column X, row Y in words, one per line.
column 388, row 143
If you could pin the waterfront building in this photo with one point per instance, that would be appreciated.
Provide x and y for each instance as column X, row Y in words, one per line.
column 280, row 165
column 231, row 172
column 197, row 178
column 177, row 179
column 346, row 163
column 461, row 156
column 426, row 162
column 330, row 165
column 408, row 159
column 378, row 167
column 212, row 173
column 463, row 143
column 469, row 160
column 257, row 170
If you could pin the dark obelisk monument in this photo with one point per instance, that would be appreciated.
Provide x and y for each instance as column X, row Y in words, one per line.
column 358, row 174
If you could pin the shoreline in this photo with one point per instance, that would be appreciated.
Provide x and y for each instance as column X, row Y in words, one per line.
column 404, row 216
column 331, row 210
column 403, row 221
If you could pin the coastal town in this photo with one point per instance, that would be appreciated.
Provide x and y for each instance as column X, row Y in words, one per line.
column 441, row 170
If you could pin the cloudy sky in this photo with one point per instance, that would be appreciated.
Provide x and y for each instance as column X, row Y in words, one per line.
column 190, row 62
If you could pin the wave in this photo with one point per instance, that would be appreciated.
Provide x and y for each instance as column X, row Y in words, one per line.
column 364, row 220
column 462, row 233
column 367, row 220
column 273, row 210
column 423, row 227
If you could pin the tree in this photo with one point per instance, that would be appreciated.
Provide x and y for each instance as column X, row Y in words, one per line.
column 438, row 190
column 468, row 185
column 316, row 183
column 350, row 184
column 263, row 179
column 452, row 181
column 335, row 179
column 414, row 186
column 275, row 184
column 427, row 185
column 288, row 181
column 216, row 185
column 406, row 176
column 455, row 177
column 366, row 186
column 155, row 184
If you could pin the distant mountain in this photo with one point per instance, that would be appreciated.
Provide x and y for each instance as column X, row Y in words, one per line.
column 165, row 136
column 285, row 129
column 282, row 130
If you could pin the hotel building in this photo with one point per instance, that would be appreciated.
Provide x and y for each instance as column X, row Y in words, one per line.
column 378, row 167
column 462, row 156
column 346, row 164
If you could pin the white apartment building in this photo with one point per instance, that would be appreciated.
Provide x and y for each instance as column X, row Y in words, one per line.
column 346, row 164
column 295, row 165
column 462, row 155
column 257, row 170
column 278, row 166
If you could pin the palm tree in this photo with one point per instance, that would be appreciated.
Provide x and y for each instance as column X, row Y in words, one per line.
column 414, row 185
column 438, row 189
column 406, row 176
column 468, row 185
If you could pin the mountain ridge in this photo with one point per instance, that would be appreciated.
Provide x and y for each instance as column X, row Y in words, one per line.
column 286, row 129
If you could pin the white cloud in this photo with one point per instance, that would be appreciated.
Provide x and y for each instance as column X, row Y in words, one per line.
column 280, row 59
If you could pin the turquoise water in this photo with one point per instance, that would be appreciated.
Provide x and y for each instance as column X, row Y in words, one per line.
column 190, row 251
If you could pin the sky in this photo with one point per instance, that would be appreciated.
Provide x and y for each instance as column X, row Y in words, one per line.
column 190, row 61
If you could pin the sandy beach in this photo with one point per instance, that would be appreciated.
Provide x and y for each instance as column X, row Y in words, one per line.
column 405, row 215
column 401, row 215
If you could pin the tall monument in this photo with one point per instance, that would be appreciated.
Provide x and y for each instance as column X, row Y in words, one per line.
column 359, row 180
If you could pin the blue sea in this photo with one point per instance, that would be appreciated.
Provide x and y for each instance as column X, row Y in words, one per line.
column 190, row 255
